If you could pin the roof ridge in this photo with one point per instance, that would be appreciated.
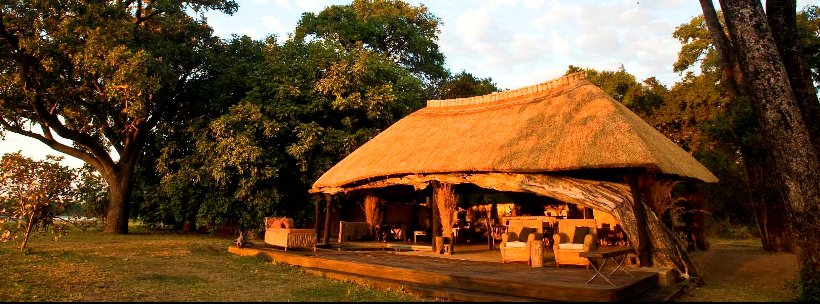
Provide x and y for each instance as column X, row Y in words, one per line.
column 544, row 86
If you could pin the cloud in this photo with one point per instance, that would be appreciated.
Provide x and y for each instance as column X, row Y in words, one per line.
column 532, row 4
column 313, row 5
column 273, row 24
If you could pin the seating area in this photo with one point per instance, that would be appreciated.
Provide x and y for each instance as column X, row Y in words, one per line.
column 280, row 231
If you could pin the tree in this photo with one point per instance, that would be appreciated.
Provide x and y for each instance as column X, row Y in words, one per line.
column 172, row 187
column 403, row 33
column 784, row 129
column 808, row 26
column 730, row 127
column 32, row 194
column 782, row 19
column 100, row 74
column 738, row 124
column 465, row 84
column 641, row 98
column 305, row 105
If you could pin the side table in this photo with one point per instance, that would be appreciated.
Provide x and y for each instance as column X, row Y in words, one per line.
column 537, row 254
column 418, row 233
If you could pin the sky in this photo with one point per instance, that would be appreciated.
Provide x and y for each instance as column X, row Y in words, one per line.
column 517, row 43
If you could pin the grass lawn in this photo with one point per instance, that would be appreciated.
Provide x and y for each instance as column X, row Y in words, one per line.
column 156, row 266
column 740, row 271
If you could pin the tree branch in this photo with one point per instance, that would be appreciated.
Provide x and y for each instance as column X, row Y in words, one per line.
column 106, row 128
column 54, row 144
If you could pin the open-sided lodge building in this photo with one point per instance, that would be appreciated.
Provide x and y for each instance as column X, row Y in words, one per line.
column 557, row 150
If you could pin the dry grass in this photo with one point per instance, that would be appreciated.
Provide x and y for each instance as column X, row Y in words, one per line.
column 446, row 200
column 372, row 210
column 740, row 271
column 143, row 266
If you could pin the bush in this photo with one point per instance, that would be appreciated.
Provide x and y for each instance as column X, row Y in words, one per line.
column 725, row 228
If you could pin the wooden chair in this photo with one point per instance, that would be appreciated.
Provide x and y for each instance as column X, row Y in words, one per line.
column 399, row 233
column 497, row 234
column 567, row 252
column 515, row 250
column 603, row 235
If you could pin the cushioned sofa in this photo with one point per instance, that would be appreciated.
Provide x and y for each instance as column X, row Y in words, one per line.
column 279, row 231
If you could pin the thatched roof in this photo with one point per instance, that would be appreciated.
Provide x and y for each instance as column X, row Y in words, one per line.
column 560, row 125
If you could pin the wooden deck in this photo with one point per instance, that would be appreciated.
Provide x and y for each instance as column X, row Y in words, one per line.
column 457, row 278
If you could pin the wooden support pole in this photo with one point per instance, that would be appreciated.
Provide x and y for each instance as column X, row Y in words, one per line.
column 644, row 243
column 436, row 231
column 318, row 201
column 328, row 210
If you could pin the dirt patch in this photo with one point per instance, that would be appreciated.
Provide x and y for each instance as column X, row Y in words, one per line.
column 740, row 270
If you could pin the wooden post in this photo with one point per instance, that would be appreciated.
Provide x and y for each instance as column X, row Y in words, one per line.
column 318, row 201
column 435, row 229
column 328, row 209
column 644, row 244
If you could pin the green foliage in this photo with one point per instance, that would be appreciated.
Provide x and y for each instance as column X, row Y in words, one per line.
column 403, row 33
column 264, row 119
column 696, row 46
column 642, row 98
column 32, row 195
column 808, row 29
column 465, row 84
column 730, row 229
column 92, row 193
column 807, row 286
column 296, row 109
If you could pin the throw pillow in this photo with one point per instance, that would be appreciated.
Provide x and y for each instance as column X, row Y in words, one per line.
column 580, row 233
column 525, row 232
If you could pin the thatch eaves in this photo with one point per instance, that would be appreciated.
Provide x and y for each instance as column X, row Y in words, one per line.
column 566, row 124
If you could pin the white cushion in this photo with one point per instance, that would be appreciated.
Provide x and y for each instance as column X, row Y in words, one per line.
column 571, row 246
column 516, row 244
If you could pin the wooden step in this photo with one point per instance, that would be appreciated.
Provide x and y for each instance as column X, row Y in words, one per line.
column 416, row 289
column 660, row 294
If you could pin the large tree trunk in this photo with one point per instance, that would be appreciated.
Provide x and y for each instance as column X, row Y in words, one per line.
column 786, row 134
column 119, row 179
column 765, row 206
column 767, row 203
column 782, row 17
column 731, row 76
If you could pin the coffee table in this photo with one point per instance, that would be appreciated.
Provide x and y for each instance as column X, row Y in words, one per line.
column 616, row 254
